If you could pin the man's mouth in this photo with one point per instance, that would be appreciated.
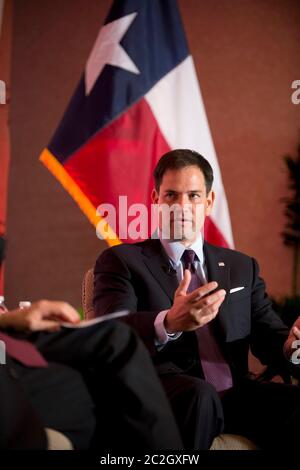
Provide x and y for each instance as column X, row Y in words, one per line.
column 182, row 220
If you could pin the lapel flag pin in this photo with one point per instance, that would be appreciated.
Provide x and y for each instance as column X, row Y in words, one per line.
column 221, row 263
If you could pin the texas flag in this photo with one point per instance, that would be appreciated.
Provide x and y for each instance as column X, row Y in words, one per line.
column 138, row 98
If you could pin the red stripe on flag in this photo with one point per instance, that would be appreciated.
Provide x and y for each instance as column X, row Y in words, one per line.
column 120, row 159
column 213, row 235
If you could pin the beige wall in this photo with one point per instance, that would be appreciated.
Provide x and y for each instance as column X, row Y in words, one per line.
column 247, row 54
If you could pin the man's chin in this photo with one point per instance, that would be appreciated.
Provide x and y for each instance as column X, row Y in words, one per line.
column 181, row 232
column 186, row 236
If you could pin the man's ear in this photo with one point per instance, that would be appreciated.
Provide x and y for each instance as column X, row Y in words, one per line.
column 154, row 196
column 210, row 198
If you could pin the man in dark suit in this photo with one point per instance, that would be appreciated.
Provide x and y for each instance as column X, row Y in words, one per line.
column 97, row 384
column 198, row 308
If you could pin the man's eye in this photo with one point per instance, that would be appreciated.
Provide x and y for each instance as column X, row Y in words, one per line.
column 194, row 196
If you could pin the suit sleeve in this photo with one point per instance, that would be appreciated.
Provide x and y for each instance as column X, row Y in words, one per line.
column 114, row 291
column 268, row 332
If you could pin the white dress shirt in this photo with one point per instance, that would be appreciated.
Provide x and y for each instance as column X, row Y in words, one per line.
column 175, row 250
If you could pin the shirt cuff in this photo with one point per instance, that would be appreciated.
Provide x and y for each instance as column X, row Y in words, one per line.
column 161, row 335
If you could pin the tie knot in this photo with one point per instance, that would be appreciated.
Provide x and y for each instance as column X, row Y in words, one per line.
column 188, row 258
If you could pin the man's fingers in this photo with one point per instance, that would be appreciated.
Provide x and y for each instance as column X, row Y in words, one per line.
column 61, row 311
column 212, row 310
column 210, row 299
column 296, row 332
column 206, row 314
column 68, row 313
column 184, row 284
column 199, row 293
column 45, row 325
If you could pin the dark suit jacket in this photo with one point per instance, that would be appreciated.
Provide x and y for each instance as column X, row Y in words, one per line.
column 20, row 426
column 137, row 277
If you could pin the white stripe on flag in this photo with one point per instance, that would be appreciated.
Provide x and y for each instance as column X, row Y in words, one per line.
column 178, row 107
column 1, row 13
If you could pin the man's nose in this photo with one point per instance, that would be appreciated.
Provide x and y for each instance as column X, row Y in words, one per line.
column 183, row 200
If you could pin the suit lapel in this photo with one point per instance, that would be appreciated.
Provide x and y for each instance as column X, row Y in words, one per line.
column 158, row 264
column 218, row 269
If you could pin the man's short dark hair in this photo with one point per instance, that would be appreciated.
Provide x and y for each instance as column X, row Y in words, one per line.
column 181, row 158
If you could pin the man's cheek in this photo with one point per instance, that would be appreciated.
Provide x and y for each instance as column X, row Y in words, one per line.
column 199, row 217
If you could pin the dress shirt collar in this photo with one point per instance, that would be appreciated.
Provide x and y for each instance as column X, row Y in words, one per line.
column 175, row 249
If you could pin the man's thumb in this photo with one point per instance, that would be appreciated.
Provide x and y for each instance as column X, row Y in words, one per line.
column 184, row 284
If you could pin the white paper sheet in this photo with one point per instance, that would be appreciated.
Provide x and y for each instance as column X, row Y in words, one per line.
column 94, row 321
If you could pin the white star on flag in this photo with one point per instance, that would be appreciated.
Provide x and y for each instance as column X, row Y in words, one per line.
column 107, row 50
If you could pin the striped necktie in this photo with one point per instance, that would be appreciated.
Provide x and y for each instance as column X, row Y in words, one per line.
column 215, row 367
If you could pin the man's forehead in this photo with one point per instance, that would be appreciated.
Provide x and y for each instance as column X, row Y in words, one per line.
column 188, row 172
column 188, row 191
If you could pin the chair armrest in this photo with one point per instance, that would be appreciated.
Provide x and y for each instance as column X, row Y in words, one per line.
column 57, row 440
